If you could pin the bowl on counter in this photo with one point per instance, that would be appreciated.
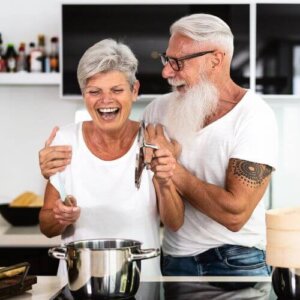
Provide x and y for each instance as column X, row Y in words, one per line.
column 21, row 215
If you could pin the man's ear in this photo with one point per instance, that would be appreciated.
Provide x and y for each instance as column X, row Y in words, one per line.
column 135, row 90
column 217, row 59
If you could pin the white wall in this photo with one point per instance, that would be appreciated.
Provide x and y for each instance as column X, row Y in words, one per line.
column 24, row 20
column 286, row 179
column 27, row 113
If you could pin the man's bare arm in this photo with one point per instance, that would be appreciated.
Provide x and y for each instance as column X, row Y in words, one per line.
column 232, row 205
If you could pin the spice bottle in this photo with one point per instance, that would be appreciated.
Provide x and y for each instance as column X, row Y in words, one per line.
column 11, row 58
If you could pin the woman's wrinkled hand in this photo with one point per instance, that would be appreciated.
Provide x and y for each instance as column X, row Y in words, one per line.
column 53, row 159
column 64, row 214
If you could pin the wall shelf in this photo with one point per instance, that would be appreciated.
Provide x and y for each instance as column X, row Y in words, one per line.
column 30, row 78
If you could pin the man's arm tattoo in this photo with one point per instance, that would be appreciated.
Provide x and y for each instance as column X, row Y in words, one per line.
column 250, row 173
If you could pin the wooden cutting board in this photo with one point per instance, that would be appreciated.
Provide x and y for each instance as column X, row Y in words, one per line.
column 11, row 286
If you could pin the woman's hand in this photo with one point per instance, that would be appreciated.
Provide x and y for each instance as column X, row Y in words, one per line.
column 55, row 215
column 54, row 159
column 65, row 214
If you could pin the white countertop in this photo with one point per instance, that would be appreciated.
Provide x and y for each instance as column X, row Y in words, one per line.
column 44, row 289
column 24, row 236
column 47, row 286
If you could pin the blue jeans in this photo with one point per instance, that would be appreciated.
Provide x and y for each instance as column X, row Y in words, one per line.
column 228, row 260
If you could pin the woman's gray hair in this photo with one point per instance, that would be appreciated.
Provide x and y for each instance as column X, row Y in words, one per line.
column 205, row 28
column 107, row 55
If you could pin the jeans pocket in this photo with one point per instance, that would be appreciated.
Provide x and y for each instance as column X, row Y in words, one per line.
column 245, row 258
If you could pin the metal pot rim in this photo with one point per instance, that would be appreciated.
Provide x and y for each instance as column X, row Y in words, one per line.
column 79, row 244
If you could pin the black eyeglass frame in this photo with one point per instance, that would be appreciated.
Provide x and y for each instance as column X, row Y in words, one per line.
column 168, row 59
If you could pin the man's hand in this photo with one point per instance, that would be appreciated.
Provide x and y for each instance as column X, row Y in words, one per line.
column 163, row 164
column 163, row 160
column 54, row 159
column 154, row 134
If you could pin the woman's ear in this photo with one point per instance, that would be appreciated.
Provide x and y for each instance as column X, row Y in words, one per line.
column 135, row 90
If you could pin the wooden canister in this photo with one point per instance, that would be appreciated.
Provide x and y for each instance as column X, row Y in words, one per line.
column 283, row 237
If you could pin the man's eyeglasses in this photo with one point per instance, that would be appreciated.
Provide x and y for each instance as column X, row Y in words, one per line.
column 177, row 63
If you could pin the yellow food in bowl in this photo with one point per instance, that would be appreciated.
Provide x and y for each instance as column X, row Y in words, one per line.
column 11, row 273
column 27, row 199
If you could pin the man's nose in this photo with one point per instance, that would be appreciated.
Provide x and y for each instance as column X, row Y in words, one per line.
column 167, row 71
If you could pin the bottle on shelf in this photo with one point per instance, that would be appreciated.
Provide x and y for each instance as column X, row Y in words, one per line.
column 11, row 58
column 2, row 59
column 53, row 57
column 37, row 56
column 22, row 59
column 31, row 48
column 42, row 48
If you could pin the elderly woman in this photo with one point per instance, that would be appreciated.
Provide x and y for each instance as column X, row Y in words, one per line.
column 100, row 175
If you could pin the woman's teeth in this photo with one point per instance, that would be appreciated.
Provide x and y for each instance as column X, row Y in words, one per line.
column 108, row 113
column 108, row 110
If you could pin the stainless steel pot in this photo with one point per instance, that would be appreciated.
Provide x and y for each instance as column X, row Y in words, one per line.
column 106, row 268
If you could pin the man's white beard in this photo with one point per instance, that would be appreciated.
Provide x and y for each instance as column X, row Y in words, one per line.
column 187, row 112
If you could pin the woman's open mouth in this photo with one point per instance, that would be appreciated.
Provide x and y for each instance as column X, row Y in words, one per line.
column 108, row 113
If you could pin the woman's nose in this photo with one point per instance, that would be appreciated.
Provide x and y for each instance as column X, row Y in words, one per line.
column 106, row 98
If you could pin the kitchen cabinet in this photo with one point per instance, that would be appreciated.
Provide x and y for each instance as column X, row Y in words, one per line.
column 265, row 38
column 133, row 24
column 40, row 262
column 277, row 37
column 27, row 243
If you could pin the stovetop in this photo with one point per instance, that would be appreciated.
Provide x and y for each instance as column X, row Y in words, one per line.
column 193, row 291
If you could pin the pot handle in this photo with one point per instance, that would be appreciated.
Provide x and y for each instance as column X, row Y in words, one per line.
column 58, row 252
column 144, row 254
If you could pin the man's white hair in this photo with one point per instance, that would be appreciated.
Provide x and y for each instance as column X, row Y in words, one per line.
column 205, row 28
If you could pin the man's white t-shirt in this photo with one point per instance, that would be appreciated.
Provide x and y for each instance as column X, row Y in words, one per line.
column 247, row 132
column 111, row 205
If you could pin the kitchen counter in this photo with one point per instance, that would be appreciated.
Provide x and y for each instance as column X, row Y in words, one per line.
column 24, row 236
column 45, row 287
column 48, row 286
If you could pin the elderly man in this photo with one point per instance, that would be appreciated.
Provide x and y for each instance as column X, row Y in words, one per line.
column 229, row 141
